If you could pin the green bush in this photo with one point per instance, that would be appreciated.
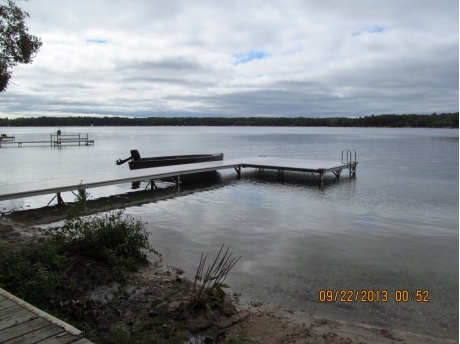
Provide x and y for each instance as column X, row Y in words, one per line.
column 116, row 241
column 32, row 273
column 84, row 252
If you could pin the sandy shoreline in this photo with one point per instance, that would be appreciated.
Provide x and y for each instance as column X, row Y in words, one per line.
column 256, row 321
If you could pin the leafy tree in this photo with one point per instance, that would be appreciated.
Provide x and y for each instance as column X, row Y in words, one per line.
column 16, row 45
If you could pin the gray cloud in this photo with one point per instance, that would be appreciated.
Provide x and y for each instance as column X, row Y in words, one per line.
column 238, row 58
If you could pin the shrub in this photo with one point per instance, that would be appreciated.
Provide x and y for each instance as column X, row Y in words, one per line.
column 84, row 252
column 32, row 273
column 112, row 240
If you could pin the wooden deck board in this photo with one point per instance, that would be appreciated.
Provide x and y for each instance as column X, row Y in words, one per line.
column 16, row 319
column 37, row 336
column 22, row 329
column 6, row 304
column 9, row 312
column 21, row 322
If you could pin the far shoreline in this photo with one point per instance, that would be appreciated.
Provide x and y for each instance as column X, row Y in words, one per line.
column 443, row 120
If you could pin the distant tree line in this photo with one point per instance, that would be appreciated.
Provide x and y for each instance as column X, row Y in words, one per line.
column 444, row 120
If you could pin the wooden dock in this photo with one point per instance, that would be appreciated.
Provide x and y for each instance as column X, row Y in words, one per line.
column 317, row 168
column 23, row 323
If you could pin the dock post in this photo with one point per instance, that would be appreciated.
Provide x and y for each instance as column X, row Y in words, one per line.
column 238, row 171
column 177, row 181
column 352, row 170
column 281, row 174
column 59, row 199
column 337, row 173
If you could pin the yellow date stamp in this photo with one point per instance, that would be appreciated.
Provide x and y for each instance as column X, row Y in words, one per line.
column 370, row 295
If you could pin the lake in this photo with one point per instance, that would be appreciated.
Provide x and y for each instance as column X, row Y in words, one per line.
column 392, row 227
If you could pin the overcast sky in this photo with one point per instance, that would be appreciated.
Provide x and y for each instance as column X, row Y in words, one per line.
column 238, row 58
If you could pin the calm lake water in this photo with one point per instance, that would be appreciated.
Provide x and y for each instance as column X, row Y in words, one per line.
column 393, row 227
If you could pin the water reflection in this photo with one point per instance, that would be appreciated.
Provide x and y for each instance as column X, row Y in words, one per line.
column 297, row 239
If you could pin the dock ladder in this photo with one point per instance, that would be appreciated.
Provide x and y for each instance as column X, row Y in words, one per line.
column 349, row 157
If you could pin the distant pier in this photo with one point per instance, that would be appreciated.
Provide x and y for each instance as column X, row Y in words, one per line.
column 55, row 140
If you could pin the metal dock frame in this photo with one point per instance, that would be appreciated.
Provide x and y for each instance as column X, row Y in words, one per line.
column 317, row 168
column 57, row 139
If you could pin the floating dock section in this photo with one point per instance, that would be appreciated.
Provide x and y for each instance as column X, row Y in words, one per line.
column 317, row 168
